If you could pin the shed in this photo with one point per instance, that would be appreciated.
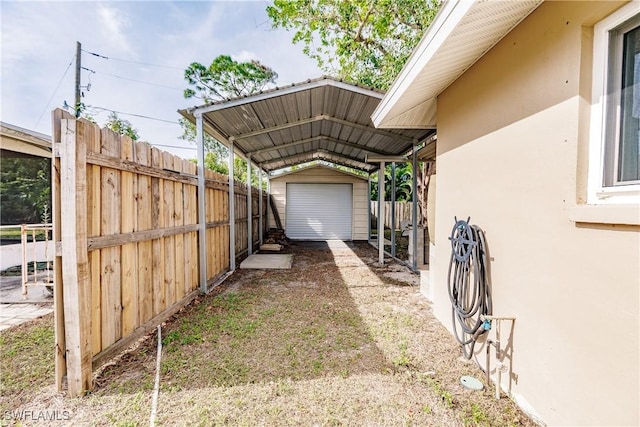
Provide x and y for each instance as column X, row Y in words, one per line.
column 321, row 203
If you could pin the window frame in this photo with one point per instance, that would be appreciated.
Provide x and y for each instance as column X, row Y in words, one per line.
column 603, row 186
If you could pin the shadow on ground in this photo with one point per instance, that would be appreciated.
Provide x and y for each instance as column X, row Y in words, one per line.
column 266, row 325
column 337, row 339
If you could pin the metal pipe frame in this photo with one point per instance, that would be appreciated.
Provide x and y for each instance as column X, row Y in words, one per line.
column 249, row 209
column 202, row 220
column 368, row 207
column 414, row 199
column 260, row 227
column 268, row 202
column 232, row 211
column 393, row 209
column 381, row 214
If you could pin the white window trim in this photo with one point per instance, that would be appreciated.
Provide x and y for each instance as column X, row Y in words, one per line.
column 597, row 193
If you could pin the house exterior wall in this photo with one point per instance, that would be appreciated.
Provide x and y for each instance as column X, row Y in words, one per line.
column 320, row 174
column 512, row 150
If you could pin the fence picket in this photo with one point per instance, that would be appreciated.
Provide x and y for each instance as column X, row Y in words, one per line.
column 111, row 307
column 122, row 279
column 178, row 220
column 157, row 255
column 94, row 219
column 129, row 262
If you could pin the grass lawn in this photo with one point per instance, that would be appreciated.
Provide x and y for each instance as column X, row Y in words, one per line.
column 336, row 340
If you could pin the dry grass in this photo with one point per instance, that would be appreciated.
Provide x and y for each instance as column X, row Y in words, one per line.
column 336, row 340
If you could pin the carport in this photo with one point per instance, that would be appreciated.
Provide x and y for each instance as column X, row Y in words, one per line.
column 322, row 119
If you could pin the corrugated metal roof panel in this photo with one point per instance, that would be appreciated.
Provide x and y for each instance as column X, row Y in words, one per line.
column 335, row 113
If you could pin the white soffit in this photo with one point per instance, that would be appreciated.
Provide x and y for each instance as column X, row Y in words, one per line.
column 462, row 33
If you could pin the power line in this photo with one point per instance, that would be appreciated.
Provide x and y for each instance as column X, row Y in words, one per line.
column 135, row 115
column 173, row 146
column 149, row 118
column 148, row 64
column 95, row 54
column 138, row 81
column 133, row 62
column 54, row 92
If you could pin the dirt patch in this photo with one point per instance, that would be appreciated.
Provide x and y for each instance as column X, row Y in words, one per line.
column 335, row 340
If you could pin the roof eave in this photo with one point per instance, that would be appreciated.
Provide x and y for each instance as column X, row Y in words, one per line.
column 405, row 105
column 276, row 92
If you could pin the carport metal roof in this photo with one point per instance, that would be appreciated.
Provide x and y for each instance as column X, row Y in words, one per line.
column 320, row 119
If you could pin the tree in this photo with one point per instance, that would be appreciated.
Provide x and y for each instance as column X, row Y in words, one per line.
column 368, row 40
column 404, row 183
column 25, row 190
column 122, row 126
column 226, row 78
column 189, row 133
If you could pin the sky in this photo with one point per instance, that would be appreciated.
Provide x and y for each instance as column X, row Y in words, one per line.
column 148, row 43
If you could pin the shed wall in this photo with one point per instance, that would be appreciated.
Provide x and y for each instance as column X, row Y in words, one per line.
column 319, row 174
column 511, row 155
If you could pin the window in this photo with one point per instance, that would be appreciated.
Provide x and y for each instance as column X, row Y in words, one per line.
column 614, row 163
column 623, row 108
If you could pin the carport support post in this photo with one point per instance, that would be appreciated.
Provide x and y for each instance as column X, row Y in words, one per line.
column 268, row 202
column 414, row 199
column 202, row 222
column 381, row 214
column 260, row 231
column 249, row 209
column 393, row 209
column 232, row 211
column 369, row 207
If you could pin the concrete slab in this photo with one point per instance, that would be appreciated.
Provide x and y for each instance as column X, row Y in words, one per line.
column 14, row 314
column 268, row 261
column 11, row 291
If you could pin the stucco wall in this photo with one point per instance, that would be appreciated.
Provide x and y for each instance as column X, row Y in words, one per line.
column 320, row 174
column 511, row 152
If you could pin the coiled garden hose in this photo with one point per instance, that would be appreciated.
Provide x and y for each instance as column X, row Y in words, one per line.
column 468, row 284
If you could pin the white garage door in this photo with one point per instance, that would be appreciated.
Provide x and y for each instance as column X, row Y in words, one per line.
column 319, row 211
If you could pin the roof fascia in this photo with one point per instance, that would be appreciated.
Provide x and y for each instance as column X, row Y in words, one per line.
column 322, row 153
column 284, row 91
column 331, row 168
column 444, row 24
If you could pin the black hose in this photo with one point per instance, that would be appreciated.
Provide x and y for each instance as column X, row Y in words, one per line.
column 468, row 284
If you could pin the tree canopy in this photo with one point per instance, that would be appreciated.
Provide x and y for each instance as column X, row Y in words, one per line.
column 122, row 126
column 226, row 78
column 25, row 190
column 364, row 41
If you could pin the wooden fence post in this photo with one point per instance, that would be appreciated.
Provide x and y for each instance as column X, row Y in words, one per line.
column 58, row 285
column 75, row 262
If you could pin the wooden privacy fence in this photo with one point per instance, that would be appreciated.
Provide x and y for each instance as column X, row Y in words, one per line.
column 127, row 242
column 403, row 212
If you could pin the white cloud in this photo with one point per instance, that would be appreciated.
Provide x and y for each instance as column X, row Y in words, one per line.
column 114, row 26
column 39, row 40
column 245, row 56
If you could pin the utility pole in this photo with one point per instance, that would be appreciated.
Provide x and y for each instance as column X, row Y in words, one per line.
column 78, row 68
